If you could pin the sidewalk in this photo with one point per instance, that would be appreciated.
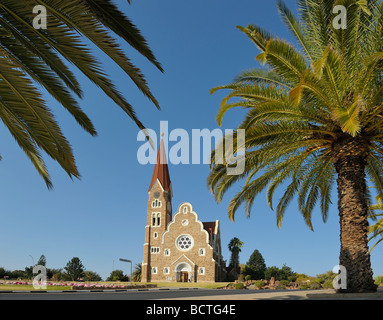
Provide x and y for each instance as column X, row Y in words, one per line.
column 328, row 294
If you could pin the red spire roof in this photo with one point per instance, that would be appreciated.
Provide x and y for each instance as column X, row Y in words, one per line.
column 209, row 226
column 161, row 171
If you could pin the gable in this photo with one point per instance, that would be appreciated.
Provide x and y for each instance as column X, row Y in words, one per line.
column 185, row 221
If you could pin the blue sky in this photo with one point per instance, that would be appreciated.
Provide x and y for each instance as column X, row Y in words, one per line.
column 101, row 217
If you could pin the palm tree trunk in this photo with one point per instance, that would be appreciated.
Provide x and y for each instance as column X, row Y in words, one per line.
column 350, row 162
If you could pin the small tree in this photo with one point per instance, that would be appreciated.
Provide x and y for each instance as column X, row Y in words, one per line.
column 42, row 261
column 54, row 274
column 29, row 272
column 255, row 267
column 57, row 275
column 18, row 274
column 329, row 275
column 136, row 276
column 279, row 273
column 3, row 273
column 117, row 275
column 235, row 246
column 91, row 276
column 74, row 269
column 375, row 230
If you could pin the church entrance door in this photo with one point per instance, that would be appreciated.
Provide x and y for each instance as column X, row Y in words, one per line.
column 184, row 276
column 183, row 272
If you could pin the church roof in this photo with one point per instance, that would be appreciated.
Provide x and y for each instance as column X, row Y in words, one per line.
column 209, row 226
column 161, row 170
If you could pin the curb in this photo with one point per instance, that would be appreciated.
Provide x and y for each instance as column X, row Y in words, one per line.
column 95, row 290
column 347, row 296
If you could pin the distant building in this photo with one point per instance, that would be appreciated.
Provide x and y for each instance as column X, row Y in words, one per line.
column 180, row 247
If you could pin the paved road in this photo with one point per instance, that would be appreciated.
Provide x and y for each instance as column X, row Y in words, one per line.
column 180, row 304
column 172, row 294
column 186, row 294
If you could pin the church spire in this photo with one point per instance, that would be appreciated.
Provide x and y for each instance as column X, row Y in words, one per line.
column 161, row 170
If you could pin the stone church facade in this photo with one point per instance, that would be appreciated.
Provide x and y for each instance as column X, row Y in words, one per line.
column 179, row 247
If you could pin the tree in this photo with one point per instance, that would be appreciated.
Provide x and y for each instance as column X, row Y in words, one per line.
column 314, row 118
column 235, row 246
column 33, row 61
column 42, row 261
column 376, row 229
column 4, row 273
column 18, row 274
column 74, row 269
column 117, row 275
column 54, row 274
column 136, row 276
column 256, row 266
column 328, row 276
column 29, row 270
column 91, row 276
column 283, row 273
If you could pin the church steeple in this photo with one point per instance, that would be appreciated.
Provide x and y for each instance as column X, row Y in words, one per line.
column 161, row 170
column 159, row 213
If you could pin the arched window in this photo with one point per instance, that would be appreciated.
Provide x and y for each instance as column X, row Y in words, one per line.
column 156, row 204
column 156, row 219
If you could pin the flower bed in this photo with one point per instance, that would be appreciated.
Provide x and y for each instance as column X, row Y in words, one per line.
column 84, row 286
column 81, row 286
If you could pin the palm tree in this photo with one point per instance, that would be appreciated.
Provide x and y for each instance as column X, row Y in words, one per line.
column 376, row 230
column 136, row 277
column 235, row 246
column 34, row 61
column 314, row 117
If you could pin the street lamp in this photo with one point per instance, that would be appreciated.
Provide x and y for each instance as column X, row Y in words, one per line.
column 130, row 261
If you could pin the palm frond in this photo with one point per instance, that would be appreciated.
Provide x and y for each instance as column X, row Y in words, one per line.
column 33, row 60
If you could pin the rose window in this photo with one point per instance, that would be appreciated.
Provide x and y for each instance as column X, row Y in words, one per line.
column 184, row 242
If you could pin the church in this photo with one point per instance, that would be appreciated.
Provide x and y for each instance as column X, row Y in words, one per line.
column 179, row 247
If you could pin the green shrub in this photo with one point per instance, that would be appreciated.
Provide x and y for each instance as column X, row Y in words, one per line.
column 239, row 285
column 315, row 286
column 304, row 286
column 327, row 284
column 284, row 283
column 248, row 277
column 379, row 280
column 301, row 277
column 329, row 275
column 259, row 283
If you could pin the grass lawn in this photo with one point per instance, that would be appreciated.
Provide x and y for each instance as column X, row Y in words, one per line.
column 22, row 287
column 207, row 285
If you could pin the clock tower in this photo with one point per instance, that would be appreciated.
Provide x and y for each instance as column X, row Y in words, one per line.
column 159, row 212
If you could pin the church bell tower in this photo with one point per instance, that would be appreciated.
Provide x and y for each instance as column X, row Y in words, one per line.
column 159, row 212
